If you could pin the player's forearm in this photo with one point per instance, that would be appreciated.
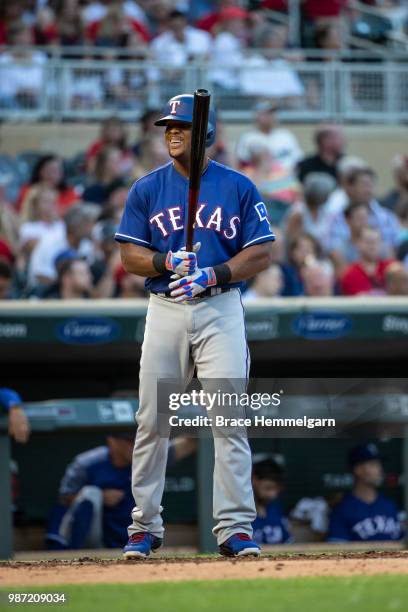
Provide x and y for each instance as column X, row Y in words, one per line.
column 137, row 259
column 250, row 261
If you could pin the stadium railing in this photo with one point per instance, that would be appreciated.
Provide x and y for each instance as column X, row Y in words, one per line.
column 91, row 89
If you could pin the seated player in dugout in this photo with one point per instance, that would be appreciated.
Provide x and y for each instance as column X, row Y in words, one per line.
column 270, row 525
column 194, row 320
column 365, row 514
column 95, row 496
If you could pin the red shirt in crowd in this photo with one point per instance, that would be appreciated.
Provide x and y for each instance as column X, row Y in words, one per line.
column 313, row 9
column 356, row 280
column 275, row 5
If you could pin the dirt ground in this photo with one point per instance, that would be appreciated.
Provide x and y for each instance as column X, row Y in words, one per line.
column 89, row 570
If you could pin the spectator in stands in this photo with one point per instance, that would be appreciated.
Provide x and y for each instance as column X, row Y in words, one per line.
column 74, row 281
column 39, row 216
column 226, row 49
column 301, row 250
column 181, row 42
column 328, row 38
column 359, row 186
column 267, row 72
column 45, row 27
column 113, row 133
column 330, row 145
column 344, row 252
column 6, row 278
column 107, row 170
column 210, row 21
column 364, row 514
column 115, row 201
column 396, row 279
column 276, row 183
column 280, row 142
column 338, row 199
column 22, row 73
column 115, row 26
column 268, row 283
column 367, row 274
column 270, row 525
column 152, row 154
column 76, row 233
column 129, row 285
column 397, row 199
column 95, row 498
column 310, row 215
column 49, row 170
column 107, row 260
column 8, row 219
column 18, row 425
column 70, row 27
column 147, row 127
column 318, row 278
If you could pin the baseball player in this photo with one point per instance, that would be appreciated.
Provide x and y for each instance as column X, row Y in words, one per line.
column 195, row 320
column 364, row 514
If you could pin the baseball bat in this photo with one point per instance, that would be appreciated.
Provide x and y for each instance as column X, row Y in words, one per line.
column 198, row 138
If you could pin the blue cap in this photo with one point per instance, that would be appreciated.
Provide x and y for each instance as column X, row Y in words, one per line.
column 363, row 453
column 66, row 255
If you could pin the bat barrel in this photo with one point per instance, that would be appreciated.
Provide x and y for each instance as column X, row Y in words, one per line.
column 198, row 141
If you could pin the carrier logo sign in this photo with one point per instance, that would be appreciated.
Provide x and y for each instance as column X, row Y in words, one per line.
column 13, row 330
column 322, row 325
column 88, row 331
column 396, row 325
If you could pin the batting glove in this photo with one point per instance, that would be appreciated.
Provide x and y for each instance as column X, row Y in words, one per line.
column 182, row 262
column 188, row 287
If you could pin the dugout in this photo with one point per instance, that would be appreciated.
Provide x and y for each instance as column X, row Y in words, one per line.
column 92, row 349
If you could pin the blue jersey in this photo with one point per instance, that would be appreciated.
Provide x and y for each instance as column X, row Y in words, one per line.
column 95, row 468
column 272, row 528
column 355, row 520
column 230, row 216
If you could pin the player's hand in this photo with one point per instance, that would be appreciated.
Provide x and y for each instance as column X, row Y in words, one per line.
column 188, row 287
column 111, row 497
column 182, row 262
column 18, row 425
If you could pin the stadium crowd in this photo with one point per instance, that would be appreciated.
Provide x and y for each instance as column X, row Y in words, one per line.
column 335, row 235
column 233, row 38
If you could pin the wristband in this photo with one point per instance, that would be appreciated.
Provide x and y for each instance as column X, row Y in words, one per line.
column 159, row 262
column 222, row 273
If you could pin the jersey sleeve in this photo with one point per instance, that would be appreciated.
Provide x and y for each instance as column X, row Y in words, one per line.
column 75, row 477
column 134, row 225
column 255, row 226
column 9, row 398
column 338, row 530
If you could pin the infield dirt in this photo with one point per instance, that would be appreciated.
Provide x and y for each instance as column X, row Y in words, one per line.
column 97, row 571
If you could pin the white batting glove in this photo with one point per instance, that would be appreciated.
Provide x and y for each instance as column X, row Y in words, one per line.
column 182, row 262
column 188, row 287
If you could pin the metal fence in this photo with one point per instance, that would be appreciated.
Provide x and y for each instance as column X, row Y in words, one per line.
column 77, row 89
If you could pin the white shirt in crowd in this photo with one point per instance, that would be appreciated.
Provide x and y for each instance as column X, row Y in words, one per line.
column 166, row 48
column 271, row 78
column 18, row 75
column 280, row 142
column 226, row 59
column 95, row 11
column 37, row 230
column 42, row 262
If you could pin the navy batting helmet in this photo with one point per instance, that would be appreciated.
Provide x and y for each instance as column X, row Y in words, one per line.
column 180, row 108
